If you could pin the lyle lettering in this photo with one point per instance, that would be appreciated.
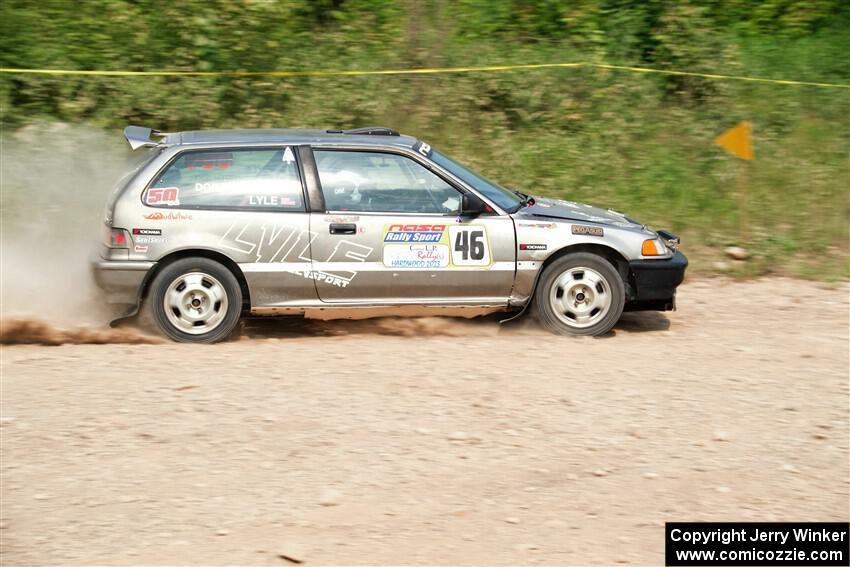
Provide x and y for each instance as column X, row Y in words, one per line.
column 264, row 200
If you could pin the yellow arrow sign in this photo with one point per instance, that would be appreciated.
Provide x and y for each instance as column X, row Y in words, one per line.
column 737, row 140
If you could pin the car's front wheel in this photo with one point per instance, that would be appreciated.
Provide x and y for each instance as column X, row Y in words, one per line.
column 195, row 300
column 579, row 294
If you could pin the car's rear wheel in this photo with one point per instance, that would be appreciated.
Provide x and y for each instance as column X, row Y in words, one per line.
column 579, row 294
column 195, row 300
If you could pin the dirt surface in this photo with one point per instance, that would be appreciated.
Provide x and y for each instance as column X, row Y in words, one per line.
column 431, row 442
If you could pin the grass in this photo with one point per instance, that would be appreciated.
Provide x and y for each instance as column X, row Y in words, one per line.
column 638, row 143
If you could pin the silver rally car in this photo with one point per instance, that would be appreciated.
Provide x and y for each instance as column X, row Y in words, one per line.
column 213, row 225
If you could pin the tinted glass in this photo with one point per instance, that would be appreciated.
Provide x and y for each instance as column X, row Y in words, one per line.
column 382, row 182
column 505, row 198
column 247, row 179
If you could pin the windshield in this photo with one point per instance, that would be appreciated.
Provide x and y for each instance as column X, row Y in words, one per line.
column 505, row 198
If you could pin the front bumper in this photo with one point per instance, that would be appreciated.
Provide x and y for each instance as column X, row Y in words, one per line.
column 654, row 283
column 121, row 281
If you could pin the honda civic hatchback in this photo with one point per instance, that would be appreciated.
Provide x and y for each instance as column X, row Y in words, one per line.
column 214, row 225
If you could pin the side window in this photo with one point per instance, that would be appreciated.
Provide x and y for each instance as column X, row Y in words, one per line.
column 381, row 182
column 251, row 179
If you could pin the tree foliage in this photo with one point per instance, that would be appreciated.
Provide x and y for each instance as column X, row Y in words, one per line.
column 634, row 141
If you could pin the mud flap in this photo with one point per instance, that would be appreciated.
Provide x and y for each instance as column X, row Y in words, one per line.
column 131, row 312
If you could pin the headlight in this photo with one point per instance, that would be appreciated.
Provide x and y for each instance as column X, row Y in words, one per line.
column 653, row 247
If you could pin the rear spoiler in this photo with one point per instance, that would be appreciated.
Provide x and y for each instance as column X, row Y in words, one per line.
column 139, row 136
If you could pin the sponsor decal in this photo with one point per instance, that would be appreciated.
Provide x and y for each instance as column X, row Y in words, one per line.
column 429, row 256
column 149, row 239
column 532, row 247
column 588, row 230
column 163, row 196
column 270, row 243
column 325, row 277
column 140, row 249
column 342, row 219
column 538, row 225
column 167, row 216
column 147, row 231
column 430, row 233
column 434, row 246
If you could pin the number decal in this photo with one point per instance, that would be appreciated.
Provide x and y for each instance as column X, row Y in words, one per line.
column 425, row 149
column 476, row 244
column 470, row 246
column 163, row 196
column 462, row 244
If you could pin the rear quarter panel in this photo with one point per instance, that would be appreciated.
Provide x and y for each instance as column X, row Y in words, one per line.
column 269, row 247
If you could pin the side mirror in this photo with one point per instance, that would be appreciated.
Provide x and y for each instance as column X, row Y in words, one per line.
column 471, row 205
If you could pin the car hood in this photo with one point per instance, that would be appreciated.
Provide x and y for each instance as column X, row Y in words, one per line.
column 569, row 210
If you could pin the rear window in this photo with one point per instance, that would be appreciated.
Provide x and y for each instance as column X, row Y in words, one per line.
column 252, row 179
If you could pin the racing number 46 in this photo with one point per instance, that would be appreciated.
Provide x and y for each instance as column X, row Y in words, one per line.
column 469, row 246
column 470, row 243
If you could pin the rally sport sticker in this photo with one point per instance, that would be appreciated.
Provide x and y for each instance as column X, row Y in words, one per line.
column 435, row 246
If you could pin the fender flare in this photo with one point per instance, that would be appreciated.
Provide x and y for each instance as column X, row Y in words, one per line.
column 225, row 260
column 611, row 254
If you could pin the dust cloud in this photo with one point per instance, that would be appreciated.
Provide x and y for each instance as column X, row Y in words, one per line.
column 32, row 332
column 54, row 181
column 441, row 326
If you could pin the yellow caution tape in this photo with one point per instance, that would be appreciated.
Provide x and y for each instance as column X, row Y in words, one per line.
column 330, row 73
column 422, row 71
column 722, row 77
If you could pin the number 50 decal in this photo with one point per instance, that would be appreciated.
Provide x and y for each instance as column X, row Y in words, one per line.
column 470, row 246
column 163, row 196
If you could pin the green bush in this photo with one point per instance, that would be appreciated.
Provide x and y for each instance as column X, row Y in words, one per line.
column 637, row 142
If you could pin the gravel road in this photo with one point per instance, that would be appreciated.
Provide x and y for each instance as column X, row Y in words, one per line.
column 431, row 442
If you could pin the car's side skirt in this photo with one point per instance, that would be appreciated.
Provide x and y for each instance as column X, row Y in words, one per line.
column 360, row 311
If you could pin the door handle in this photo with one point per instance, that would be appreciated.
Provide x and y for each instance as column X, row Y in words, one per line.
column 337, row 228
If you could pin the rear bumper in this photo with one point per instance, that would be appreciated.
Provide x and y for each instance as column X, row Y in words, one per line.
column 120, row 281
column 654, row 283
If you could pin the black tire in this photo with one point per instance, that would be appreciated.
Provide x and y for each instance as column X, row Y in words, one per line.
column 210, row 275
column 570, row 267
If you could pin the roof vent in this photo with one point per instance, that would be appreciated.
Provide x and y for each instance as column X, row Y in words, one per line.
column 368, row 131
